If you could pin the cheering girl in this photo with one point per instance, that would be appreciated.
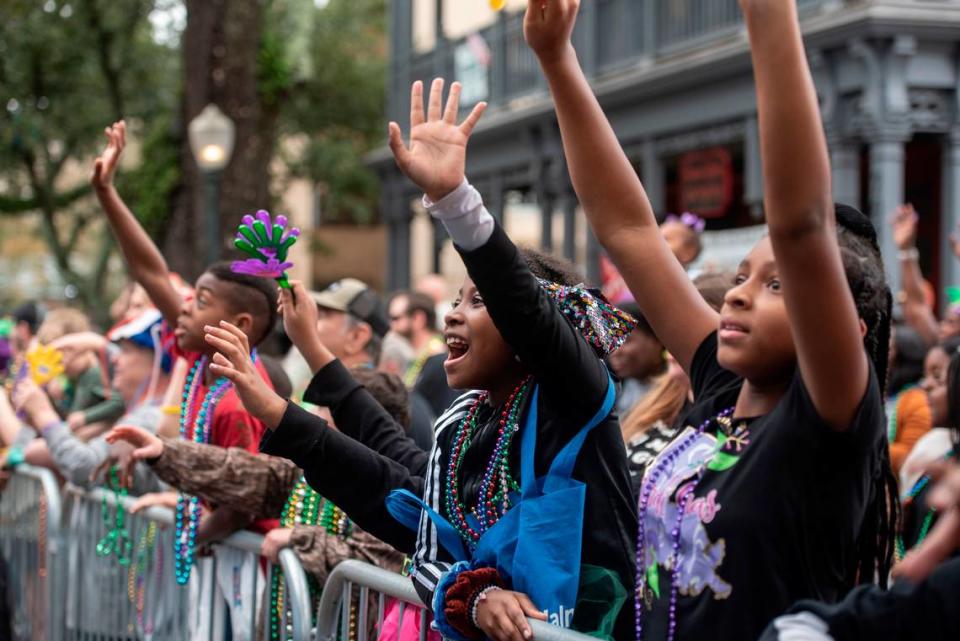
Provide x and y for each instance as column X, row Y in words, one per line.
column 779, row 487
column 530, row 341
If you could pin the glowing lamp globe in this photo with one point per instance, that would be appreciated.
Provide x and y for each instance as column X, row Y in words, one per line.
column 212, row 135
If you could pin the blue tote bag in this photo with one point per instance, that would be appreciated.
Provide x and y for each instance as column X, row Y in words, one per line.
column 536, row 545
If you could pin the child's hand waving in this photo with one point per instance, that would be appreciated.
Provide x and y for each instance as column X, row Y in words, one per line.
column 548, row 27
column 904, row 222
column 300, row 322
column 436, row 158
column 232, row 360
column 106, row 165
column 299, row 314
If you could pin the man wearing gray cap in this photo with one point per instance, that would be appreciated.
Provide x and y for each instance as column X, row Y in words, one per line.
column 352, row 322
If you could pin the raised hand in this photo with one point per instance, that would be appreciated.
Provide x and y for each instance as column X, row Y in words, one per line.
column 548, row 27
column 299, row 314
column 904, row 223
column 436, row 158
column 105, row 166
column 300, row 322
column 232, row 360
column 955, row 242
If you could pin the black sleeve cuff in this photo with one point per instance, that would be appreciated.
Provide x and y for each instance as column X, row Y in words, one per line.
column 330, row 385
column 296, row 436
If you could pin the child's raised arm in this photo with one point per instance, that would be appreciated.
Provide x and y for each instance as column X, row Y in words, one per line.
column 800, row 214
column 610, row 191
column 146, row 263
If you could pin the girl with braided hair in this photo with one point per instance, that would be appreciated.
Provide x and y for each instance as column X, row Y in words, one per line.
column 779, row 486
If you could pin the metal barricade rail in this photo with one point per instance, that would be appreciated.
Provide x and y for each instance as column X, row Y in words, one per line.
column 170, row 610
column 334, row 613
column 30, row 518
column 73, row 573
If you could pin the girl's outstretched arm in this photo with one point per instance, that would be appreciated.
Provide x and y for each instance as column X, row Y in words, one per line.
column 800, row 214
column 610, row 191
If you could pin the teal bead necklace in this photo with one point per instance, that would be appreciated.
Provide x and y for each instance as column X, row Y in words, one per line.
column 197, row 430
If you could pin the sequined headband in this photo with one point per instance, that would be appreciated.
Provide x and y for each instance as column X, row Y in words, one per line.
column 600, row 323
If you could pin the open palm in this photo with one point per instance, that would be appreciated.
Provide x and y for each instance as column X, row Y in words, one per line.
column 436, row 158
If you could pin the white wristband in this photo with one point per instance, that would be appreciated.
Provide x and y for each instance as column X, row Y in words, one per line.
column 462, row 213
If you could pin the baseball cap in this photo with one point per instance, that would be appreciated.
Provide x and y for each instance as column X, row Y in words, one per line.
column 142, row 329
column 355, row 298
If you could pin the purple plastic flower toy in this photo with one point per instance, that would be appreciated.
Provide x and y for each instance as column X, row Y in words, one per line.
column 692, row 221
column 267, row 241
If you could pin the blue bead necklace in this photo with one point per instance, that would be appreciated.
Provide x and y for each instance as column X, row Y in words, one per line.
column 198, row 431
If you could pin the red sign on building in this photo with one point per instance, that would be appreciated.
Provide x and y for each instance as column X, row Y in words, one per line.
column 706, row 181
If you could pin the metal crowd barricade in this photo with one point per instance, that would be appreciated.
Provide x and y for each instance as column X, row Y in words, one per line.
column 140, row 599
column 344, row 610
column 64, row 577
column 30, row 512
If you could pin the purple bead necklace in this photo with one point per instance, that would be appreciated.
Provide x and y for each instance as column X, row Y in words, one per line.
column 649, row 483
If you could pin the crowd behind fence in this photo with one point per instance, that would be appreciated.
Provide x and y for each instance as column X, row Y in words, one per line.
column 78, row 565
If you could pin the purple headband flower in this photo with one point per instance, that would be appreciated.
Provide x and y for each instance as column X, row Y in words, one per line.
column 602, row 325
column 689, row 220
column 267, row 242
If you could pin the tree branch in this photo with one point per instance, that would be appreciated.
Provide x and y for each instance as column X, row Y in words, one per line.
column 104, row 40
column 10, row 206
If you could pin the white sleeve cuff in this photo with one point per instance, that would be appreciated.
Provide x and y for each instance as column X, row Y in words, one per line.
column 462, row 213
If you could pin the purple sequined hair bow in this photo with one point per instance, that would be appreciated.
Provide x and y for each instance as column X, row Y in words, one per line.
column 687, row 219
column 601, row 324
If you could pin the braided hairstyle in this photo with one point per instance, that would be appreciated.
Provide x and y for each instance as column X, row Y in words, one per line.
column 863, row 266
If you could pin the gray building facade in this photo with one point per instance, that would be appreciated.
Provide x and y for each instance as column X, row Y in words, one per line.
column 674, row 78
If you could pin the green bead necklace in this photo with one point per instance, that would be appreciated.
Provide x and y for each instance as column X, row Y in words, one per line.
column 117, row 540
column 908, row 499
column 303, row 507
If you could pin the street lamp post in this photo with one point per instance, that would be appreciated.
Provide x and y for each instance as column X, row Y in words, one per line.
column 212, row 136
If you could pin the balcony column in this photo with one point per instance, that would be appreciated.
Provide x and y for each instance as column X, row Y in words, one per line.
column 653, row 178
column 887, row 154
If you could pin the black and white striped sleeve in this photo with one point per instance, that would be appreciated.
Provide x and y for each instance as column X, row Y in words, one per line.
column 431, row 561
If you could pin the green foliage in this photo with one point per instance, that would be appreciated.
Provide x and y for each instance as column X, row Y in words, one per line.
column 151, row 184
column 68, row 72
column 340, row 106
column 68, row 68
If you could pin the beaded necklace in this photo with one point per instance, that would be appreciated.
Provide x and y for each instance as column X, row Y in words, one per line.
column 137, row 575
column 117, row 540
column 188, row 508
column 892, row 419
column 908, row 499
column 302, row 508
column 649, row 483
column 493, row 496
